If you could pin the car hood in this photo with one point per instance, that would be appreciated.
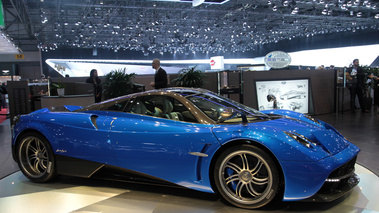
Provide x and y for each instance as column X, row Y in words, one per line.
column 275, row 135
column 324, row 135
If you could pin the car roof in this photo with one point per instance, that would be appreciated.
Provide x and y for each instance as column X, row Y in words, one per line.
column 171, row 91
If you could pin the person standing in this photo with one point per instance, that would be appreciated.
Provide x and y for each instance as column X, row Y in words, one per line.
column 160, row 77
column 97, row 87
column 376, row 91
column 355, row 81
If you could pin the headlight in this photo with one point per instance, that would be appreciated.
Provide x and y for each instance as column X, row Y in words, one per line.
column 302, row 139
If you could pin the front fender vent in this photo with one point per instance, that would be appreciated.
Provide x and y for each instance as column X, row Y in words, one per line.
column 93, row 120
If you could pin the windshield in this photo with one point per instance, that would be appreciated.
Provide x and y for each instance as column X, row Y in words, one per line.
column 215, row 106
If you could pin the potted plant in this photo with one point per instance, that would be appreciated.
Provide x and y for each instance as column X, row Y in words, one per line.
column 189, row 77
column 118, row 83
column 59, row 87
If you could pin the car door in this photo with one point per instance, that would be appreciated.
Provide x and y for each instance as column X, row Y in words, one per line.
column 160, row 146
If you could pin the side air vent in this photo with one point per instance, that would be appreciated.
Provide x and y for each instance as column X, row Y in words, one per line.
column 93, row 120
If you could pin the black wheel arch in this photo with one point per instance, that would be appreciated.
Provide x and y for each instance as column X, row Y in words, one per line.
column 247, row 142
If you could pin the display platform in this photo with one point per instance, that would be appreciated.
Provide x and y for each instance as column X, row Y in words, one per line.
column 69, row 194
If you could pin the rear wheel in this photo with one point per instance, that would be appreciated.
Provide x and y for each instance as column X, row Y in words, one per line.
column 246, row 177
column 35, row 158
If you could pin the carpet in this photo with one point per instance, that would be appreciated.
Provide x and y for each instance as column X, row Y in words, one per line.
column 4, row 112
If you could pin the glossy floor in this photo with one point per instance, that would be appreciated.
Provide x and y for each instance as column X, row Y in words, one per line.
column 68, row 194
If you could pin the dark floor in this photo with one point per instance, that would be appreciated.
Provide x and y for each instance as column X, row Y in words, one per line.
column 7, row 164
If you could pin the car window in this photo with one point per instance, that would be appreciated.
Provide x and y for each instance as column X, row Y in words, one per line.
column 118, row 106
column 161, row 107
column 111, row 105
column 214, row 106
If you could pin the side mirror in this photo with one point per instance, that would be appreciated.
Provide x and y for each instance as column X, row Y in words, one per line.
column 230, row 113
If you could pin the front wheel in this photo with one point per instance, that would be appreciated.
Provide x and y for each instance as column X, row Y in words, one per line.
column 35, row 158
column 246, row 177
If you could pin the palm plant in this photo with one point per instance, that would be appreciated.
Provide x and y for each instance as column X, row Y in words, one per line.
column 118, row 83
column 189, row 77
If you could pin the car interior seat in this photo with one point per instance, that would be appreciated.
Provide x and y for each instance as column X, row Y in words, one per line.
column 158, row 112
column 140, row 108
column 168, row 113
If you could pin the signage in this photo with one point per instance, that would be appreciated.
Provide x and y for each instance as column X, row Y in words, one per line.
column 217, row 63
column 277, row 59
column 20, row 56
column 289, row 94
column 1, row 15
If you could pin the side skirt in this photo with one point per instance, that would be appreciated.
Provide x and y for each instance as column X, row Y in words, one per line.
column 88, row 169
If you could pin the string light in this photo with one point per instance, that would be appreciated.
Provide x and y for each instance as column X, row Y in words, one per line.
column 163, row 27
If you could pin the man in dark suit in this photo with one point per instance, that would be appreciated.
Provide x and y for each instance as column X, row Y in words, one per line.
column 355, row 78
column 160, row 78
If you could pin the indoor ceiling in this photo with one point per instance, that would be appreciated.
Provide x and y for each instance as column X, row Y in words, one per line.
column 180, row 26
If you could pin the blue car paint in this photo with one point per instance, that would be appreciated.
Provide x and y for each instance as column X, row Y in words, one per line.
column 79, row 139
column 161, row 147
column 290, row 114
column 294, row 158
column 301, row 185
column 166, row 143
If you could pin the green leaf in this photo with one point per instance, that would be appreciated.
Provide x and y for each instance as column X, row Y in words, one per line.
column 118, row 83
column 189, row 77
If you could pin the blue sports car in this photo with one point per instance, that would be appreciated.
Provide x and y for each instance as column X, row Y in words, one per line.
column 192, row 138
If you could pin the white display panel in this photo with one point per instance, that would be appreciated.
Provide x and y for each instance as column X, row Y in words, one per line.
column 290, row 94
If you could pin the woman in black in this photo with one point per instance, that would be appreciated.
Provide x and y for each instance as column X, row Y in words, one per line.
column 97, row 87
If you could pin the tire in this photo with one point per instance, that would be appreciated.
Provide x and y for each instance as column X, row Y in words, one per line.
column 36, row 158
column 246, row 177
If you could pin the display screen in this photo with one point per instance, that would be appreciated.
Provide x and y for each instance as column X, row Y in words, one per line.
column 290, row 94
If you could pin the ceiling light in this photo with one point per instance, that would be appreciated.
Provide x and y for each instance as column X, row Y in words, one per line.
column 214, row 35
column 295, row 11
